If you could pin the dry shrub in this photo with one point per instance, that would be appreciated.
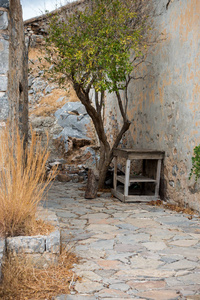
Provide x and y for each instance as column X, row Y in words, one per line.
column 40, row 227
column 22, row 281
column 178, row 208
column 21, row 182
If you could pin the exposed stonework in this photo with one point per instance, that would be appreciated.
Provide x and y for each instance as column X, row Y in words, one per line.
column 13, row 66
column 164, row 106
column 54, row 109
column 4, row 60
column 40, row 249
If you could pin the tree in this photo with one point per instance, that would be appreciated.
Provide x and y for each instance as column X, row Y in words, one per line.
column 96, row 49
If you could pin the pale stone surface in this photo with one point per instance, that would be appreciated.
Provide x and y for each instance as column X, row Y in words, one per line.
column 142, row 223
column 147, row 263
column 53, row 242
column 112, row 293
column 3, row 20
column 184, row 243
column 89, row 275
column 2, row 252
column 3, row 83
column 129, row 262
column 147, row 285
column 26, row 244
column 156, row 273
column 160, row 295
column 88, row 287
column 155, row 246
column 181, row 265
column 4, row 62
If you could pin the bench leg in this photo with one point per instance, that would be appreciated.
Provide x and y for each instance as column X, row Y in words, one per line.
column 115, row 174
column 127, row 176
column 158, row 178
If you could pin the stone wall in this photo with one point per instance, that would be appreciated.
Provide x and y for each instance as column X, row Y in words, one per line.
column 164, row 106
column 13, row 66
column 4, row 59
column 55, row 109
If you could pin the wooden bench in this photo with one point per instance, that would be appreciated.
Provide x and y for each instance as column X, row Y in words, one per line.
column 127, row 180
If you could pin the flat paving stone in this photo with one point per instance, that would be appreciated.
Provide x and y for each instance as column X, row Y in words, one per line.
column 89, row 287
column 160, row 295
column 127, row 250
column 74, row 297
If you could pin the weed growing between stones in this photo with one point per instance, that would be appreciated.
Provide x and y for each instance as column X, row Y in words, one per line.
column 22, row 281
column 22, row 184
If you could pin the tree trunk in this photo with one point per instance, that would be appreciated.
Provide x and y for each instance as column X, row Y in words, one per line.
column 106, row 152
column 91, row 187
column 103, row 168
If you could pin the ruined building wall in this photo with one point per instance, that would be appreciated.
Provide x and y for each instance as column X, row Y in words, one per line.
column 13, row 65
column 164, row 107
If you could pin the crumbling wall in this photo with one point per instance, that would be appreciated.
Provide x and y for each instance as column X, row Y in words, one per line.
column 164, row 106
column 13, row 66
column 55, row 109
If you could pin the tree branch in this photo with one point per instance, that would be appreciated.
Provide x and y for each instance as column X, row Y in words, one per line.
column 121, row 106
column 124, row 128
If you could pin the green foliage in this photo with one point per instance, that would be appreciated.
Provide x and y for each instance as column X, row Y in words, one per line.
column 195, row 163
column 92, row 47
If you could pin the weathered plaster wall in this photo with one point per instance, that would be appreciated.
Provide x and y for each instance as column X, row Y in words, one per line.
column 165, row 106
column 13, row 65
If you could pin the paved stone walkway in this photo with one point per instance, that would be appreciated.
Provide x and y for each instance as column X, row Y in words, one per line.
column 129, row 251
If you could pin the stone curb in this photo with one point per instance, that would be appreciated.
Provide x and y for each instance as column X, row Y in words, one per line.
column 41, row 249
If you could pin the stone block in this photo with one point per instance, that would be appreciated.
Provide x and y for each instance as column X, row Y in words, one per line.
column 3, row 83
column 42, row 260
column 53, row 242
column 2, row 252
column 26, row 244
column 4, row 3
column 3, row 20
column 4, row 57
column 4, row 107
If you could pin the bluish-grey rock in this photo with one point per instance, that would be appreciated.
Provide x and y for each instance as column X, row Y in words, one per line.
column 39, row 85
column 3, row 83
column 53, row 242
column 4, row 107
column 2, row 252
column 26, row 244
column 3, row 20
column 74, row 107
column 4, row 3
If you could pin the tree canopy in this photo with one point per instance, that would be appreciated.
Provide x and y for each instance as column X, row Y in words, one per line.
column 93, row 46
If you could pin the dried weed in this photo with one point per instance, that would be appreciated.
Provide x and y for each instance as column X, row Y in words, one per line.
column 22, row 281
column 22, row 183
column 173, row 207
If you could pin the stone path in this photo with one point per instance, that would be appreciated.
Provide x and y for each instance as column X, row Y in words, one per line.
column 129, row 251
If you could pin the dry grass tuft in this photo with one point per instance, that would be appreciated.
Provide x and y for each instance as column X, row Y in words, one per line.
column 40, row 227
column 48, row 104
column 22, row 281
column 173, row 207
column 21, row 182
